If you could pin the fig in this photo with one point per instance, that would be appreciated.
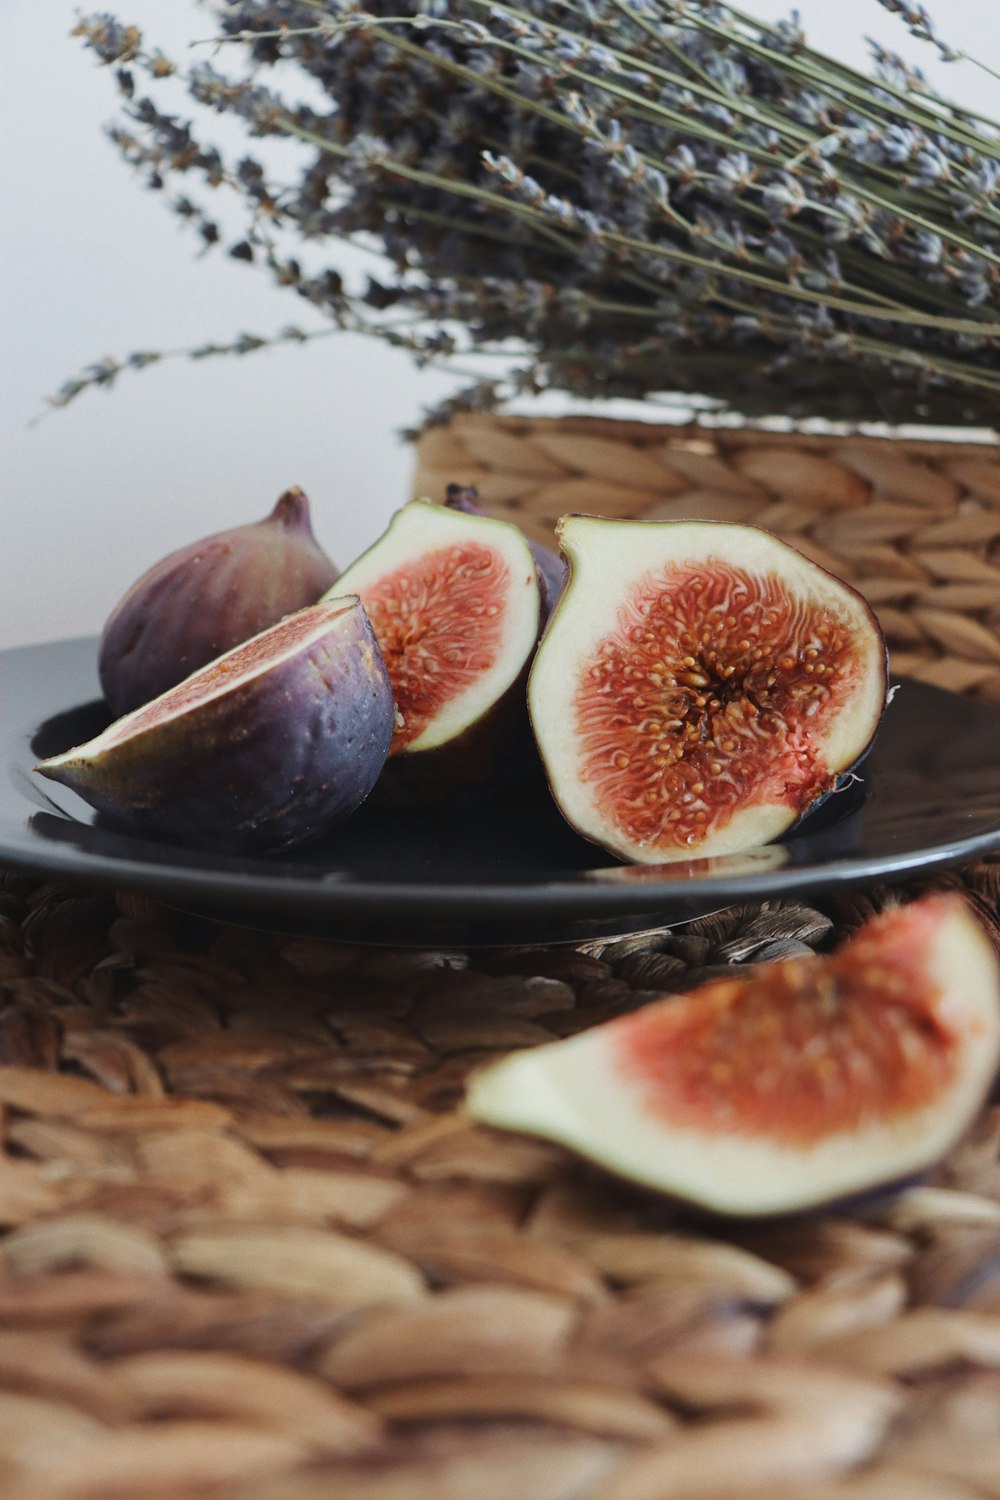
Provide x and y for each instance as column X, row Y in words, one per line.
column 454, row 601
column 267, row 746
column 800, row 1083
column 551, row 569
column 700, row 687
column 206, row 598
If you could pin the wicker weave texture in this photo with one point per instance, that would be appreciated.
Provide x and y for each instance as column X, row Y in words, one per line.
column 251, row 1248
column 914, row 524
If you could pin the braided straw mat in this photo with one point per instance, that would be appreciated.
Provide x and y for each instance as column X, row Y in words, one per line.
column 914, row 524
column 252, row 1250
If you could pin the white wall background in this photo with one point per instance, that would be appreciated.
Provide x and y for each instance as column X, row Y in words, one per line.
column 91, row 264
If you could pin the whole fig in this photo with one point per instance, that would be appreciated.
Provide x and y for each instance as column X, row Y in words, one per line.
column 208, row 597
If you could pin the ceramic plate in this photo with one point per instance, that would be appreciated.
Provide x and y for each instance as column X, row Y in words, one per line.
column 510, row 871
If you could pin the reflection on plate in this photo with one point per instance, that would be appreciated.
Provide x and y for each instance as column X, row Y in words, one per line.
column 727, row 866
column 510, row 871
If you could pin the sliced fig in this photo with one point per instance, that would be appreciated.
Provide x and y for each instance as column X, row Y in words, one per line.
column 801, row 1083
column 454, row 602
column 265, row 747
column 551, row 568
column 700, row 686
column 206, row 598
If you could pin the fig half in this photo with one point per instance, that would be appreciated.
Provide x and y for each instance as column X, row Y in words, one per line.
column 454, row 602
column 700, row 686
column 271, row 744
column 206, row 598
column 801, row 1083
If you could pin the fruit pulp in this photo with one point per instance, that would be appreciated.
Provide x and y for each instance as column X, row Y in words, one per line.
column 709, row 694
column 807, row 1048
column 235, row 666
column 439, row 624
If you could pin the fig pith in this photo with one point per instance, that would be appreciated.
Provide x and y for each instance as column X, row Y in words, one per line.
column 269, row 745
column 454, row 602
column 801, row 1083
column 700, row 686
column 208, row 597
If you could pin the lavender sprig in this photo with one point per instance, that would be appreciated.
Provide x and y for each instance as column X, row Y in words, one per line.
column 640, row 196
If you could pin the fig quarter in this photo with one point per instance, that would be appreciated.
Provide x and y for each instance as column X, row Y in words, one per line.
column 271, row 744
column 804, row 1082
column 455, row 604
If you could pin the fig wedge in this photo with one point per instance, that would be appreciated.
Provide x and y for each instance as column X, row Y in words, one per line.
column 269, row 745
column 454, row 602
column 208, row 597
column 700, row 686
column 802, row 1083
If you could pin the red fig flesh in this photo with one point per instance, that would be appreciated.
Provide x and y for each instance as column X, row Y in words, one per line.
column 797, row 1084
column 454, row 602
column 700, row 686
column 551, row 570
column 206, row 598
column 265, row 747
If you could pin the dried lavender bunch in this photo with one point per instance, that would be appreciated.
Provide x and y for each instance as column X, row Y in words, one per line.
column 637, row 196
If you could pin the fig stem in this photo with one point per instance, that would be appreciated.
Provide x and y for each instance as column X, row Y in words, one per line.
column 292, row 510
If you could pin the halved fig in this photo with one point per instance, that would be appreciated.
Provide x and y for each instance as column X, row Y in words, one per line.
column 454, row 602
column 208, row 597
column 271, row 744
column 700, row 686
column 801, row 1083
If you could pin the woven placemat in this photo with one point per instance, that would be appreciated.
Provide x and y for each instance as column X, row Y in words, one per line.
column 914, row 523
column 252, row 1250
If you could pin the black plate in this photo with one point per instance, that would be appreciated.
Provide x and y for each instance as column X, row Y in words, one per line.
column 510, row 871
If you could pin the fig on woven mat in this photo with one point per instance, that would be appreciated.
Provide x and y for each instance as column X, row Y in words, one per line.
column 271, row 744
column 802, row 1083
column 454, row 602
column 700, row 686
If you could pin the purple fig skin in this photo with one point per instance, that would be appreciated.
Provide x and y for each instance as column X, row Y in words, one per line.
column 551, row 569
column 277, row 759
column 204, row 599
